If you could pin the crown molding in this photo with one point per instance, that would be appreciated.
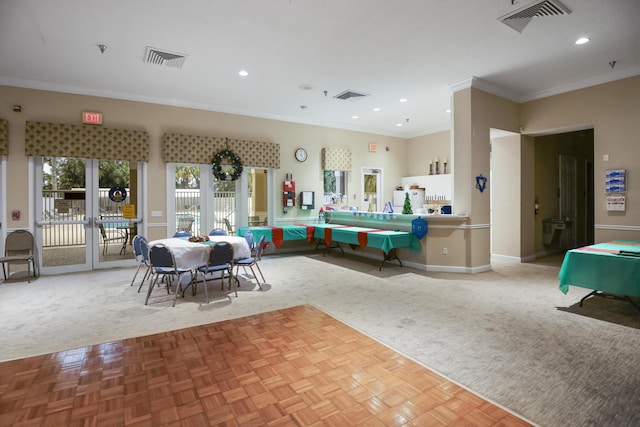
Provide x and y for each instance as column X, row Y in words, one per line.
column 485, row 86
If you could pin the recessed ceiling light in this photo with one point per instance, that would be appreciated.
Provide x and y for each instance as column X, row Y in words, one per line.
column 448, row 111
column 583, row 40
column 354, row 117
column 376, row 109
column 403, row 100
column 399, row 124
column 243, row 73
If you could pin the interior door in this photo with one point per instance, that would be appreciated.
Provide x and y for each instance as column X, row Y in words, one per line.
column 80, row 224
column 568, row 198
column 371, row 190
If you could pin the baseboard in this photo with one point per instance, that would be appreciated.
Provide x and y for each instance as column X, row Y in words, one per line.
column 509, row 258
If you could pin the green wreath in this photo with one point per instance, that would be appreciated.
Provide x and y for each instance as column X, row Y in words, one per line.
column 222, row 174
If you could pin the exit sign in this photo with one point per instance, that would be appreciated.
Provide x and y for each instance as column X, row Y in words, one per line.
column 91, row 118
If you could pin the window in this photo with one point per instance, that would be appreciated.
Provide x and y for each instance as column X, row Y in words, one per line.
column 335, row 187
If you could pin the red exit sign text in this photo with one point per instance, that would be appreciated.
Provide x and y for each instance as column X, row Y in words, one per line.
column 91, row 118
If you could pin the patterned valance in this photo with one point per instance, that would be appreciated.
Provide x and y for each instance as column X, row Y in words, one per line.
column 336, row 159
column 85, row 141
column 4, row 137
column 180, row 148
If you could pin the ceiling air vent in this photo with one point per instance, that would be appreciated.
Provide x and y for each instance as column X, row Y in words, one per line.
column 163, row 57
column 521, row 17
column 350, row 94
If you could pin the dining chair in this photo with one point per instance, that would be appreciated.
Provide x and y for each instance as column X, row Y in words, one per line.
column 141, row 255
column 253, row 262
column 19, row 248
column 163, row 264
column 220, row 260
column 248, row 236
column 118, row 236
column 185, row 223
column 227, row 224
column 217, row 232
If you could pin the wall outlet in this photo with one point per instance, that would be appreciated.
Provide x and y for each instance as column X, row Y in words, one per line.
column 445, row 251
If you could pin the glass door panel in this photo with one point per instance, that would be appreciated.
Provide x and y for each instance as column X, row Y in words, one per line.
column 187, row 200
column 61, row 216
column 114, row 209
column 199, row 202
column 257, row 196
column 84, row 215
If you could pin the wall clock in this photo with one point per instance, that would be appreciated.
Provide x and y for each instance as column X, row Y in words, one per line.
column 301, row 154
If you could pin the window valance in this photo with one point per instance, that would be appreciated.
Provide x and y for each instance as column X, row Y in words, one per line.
column 336, row 159
column 85, row 141
column 179, row 148
column 4, row 137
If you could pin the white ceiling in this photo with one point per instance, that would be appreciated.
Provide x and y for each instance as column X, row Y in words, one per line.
column 390, row 49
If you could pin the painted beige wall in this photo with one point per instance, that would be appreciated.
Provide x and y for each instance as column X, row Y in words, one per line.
column 425, row 148
column 156, row 119
column 613, row 111
column 475, row 113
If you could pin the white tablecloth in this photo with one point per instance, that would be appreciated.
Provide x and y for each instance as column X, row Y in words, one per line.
column 240, row 246
column 191, row 255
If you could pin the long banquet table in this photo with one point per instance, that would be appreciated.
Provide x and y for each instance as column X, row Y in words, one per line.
column 610, row 268
column 386, row 240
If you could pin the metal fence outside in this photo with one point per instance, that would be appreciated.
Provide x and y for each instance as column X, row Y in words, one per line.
column 70, row 205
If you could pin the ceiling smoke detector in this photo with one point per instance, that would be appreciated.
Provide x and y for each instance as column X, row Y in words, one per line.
column 351, row 95
column 521, row 17
column 163, row 57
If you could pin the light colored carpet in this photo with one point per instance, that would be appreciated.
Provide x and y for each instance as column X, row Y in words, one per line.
column 509, row 335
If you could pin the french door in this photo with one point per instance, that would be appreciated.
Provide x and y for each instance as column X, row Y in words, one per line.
column 87, row 212
column 199, row 203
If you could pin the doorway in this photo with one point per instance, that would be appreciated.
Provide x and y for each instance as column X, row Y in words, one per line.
column 371, row 190
column 564, row 188
column 257, row 185
column 200, row 203
column 3, row 192
column 197, row 201
column 86, row 213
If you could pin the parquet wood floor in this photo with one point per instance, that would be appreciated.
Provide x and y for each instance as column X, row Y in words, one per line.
column 292, row 367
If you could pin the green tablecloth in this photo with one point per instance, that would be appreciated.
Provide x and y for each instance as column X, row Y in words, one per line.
column 386, row 240
column 289, row 232
column 601, row 267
